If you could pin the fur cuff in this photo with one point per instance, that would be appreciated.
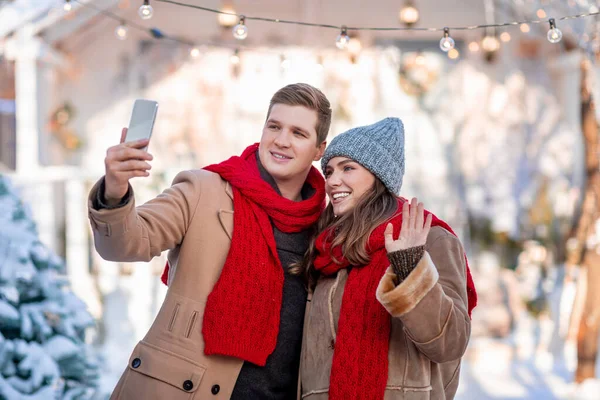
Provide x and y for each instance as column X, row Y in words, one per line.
column 401, row 299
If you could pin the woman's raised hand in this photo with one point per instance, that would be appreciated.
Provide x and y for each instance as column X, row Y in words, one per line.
column 414, row 230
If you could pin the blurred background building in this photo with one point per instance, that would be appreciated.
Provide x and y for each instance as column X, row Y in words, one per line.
column 501, row 136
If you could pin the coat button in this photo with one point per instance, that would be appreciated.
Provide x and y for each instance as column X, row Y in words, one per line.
column 136, row 363
column 188, row 385
column 215, row 389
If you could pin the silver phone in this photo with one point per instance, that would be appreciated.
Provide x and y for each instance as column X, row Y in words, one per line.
column 142, row 120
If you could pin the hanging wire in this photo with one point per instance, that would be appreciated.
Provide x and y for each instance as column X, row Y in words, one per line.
column 359, row 28
column 158, row 34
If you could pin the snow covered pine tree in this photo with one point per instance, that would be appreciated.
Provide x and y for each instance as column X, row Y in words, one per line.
column 42, row 323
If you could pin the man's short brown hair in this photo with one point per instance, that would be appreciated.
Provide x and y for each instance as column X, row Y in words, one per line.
column 303, row 94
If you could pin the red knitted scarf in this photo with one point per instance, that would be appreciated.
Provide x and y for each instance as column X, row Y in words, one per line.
column 241, row 318
column 360, row 358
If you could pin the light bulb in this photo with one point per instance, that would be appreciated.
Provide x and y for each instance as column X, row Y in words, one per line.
column 409, row 15
column 195, row 52
column 554, row 34
column 453, row 54
column 343, row 39
column 228, row 19
column 490, row 43
column 525, row 28
column 67, row 6
column 354, row 46
column 420, row 59
column 235, row 57
column 505, row 37
column 285, row 63
column 319, row 64
column 446, row 43
column 121, row 32
column 474, row 47
column 541, row 13
column 240, row 31
column 146, row 11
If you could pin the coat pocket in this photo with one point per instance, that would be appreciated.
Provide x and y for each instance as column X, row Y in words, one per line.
column 156, row 373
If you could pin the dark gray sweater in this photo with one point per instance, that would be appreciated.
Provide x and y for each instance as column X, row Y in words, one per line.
column 278, row 379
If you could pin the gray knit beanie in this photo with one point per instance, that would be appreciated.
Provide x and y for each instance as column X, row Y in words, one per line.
column 378, row 147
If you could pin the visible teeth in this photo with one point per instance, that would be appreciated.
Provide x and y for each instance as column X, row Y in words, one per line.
column 338, row 195
column 278, row 156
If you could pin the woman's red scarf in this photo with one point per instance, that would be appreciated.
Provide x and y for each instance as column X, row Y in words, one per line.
column 241, row 318
column 360, row 358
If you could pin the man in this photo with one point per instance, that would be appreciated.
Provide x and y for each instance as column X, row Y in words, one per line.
column 231, row 323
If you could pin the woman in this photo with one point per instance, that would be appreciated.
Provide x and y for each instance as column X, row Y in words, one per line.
column 391, row 293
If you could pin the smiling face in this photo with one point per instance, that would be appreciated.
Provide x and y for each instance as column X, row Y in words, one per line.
column 288, row 145
column 346, row 181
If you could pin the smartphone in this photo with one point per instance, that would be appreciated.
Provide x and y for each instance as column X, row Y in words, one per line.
column 142, row 120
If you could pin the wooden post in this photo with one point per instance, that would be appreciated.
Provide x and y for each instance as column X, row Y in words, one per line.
column 588, row 257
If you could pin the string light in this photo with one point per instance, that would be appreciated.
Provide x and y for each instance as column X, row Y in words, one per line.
column 453, row 54
column 490, row 44
column 354, row 46
column 446, row 43
column 409, row 15
column 330, row 26
column 420, row 59
column 343, row 39
column 240, row 31
column 235, row 57
column 146, row 11
column 541, row 13
column 505, row 37
column 194, row 52
column 319, row 64
column 121, row 31
column 474, row 47
column 67, row 6
column 554, row 34
column 227, row 17
column 285, row 63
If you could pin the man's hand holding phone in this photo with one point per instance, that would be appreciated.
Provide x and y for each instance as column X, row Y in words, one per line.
column 123, row 162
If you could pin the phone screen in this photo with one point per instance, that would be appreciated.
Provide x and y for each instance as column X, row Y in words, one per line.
column 142, row 120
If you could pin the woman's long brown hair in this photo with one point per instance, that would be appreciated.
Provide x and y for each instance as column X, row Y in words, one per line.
column 352, row 229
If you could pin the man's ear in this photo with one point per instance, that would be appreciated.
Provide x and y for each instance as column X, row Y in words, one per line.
column 321, row 148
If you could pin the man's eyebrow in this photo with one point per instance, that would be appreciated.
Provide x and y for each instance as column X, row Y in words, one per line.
column 299, row 129
column 274, row 121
